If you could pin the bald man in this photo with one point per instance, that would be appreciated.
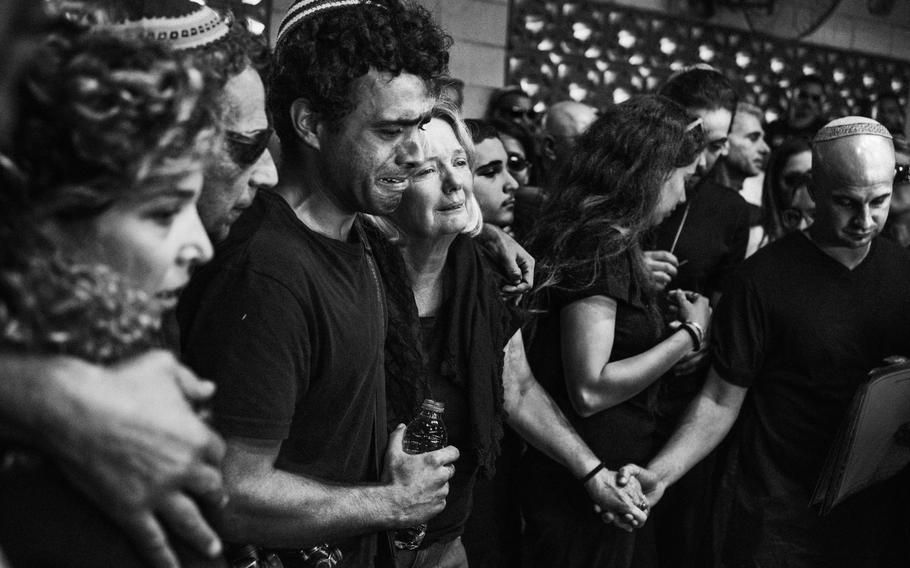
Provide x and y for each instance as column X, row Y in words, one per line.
column 565, row 121
column 801, row 325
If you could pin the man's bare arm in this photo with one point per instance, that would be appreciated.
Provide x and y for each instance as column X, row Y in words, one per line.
column 272, row 507
column 705, row 423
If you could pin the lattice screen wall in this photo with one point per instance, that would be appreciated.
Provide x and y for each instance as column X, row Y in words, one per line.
column 600, row 53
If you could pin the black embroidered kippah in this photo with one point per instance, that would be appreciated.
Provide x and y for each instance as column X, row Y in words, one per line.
column 303, row 9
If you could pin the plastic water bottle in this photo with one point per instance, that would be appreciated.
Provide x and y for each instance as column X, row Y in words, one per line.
column 425, row 433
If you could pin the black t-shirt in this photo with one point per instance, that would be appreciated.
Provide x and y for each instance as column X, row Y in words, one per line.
column 802, row 331
column 623, row 433
column 712, row 241
column 289, row 324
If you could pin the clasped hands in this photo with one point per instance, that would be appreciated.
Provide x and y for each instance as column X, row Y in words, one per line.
column 625, row 497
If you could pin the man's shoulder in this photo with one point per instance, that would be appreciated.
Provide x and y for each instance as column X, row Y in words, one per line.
column 891, row 256
column 267, row 239
column 771, row 262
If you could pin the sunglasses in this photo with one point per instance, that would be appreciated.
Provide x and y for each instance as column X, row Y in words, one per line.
column 517, row 164
column 792, row 218
column 521, row 112
column 246, row 149
column 902, row 173
column 796, row 179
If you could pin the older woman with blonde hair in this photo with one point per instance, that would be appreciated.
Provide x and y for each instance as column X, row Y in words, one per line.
column 451, row 338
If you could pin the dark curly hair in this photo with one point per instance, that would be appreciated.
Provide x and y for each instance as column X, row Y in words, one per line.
column 613, row 180
column 98, row 113
column 322, row 57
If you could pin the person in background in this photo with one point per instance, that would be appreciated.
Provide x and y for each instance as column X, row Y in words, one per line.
column 799, row 328
column 804, row 114
column 788, row 203
column 889, row 112
column 600, row 344
column 524, row 165
column 494, row 187
column 511, row 104
column 746, row 159
column 454, row 340
column 897, row 227
column 564, row 122
column 100, row 229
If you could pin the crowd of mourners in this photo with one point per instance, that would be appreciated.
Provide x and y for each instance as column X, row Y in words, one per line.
column 229, row 277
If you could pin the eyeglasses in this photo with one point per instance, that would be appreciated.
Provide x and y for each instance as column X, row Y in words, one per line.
column 246, row 149
column 792, row 218
column 902, row 173
column 517, row 164
column 794, row 180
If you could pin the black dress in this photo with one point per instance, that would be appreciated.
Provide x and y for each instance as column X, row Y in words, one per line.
column 562, row 529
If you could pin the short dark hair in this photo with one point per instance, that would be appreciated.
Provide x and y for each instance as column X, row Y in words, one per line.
column 320, row 59
column 701, row 88
column 481, row 130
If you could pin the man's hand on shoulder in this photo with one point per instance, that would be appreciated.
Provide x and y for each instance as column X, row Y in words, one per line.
column 512, row 260
column 128, row 437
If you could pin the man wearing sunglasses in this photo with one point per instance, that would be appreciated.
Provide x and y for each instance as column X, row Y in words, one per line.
column 805, row 114
column 242, row 165
column 511, row 104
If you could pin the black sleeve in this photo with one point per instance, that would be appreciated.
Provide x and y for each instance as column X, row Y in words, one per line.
column 737, row 243
column 738, row 333
column 250, row 335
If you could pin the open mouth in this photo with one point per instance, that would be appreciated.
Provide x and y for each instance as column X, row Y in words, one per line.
column 394, row 182
column 168, row 298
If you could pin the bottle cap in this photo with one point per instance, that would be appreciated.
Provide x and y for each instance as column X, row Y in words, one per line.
column 433, row 405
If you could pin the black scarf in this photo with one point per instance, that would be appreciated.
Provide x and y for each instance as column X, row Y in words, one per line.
column 477, row 326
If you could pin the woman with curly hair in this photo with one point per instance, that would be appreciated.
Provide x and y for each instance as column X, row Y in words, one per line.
column 600, row 343
column 98, row 233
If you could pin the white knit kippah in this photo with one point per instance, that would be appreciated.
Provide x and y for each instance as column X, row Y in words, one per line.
column 850, row 126
column 302, row 9
column 199, row 27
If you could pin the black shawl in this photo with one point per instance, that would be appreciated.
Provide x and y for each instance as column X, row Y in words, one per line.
column 477, row 325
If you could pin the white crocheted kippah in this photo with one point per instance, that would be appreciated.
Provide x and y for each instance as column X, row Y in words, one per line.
column 850, row 126
column 180, row 24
